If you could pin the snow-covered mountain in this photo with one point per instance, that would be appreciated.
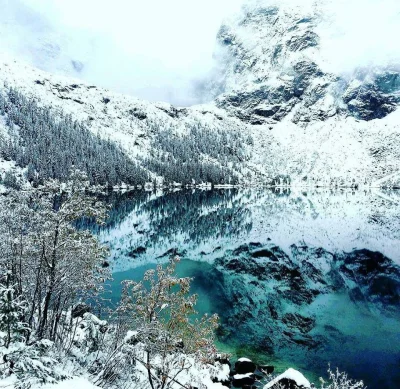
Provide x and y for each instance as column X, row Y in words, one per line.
column 277, row 68
column 298, row 119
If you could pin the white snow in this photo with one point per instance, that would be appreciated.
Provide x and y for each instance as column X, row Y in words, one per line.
column 223, row 372
column 290, row 374
column 130, row 335
column 241, row 376
column 75, row 383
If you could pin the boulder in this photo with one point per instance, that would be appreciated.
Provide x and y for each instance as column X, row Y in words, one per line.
column 290, row 379
column 240, row 380
column 79, row 310
column 245, row 366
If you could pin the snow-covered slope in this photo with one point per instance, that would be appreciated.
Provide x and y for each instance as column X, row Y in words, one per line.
column 301, row 120
column 132, row 123
column 277, row 67
column 310, row 120
column 124, row 119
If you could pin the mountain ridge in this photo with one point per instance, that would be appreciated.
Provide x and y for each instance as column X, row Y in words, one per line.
column 288, row 120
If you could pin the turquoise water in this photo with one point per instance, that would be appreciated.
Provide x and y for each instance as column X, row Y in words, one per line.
column 298, row 279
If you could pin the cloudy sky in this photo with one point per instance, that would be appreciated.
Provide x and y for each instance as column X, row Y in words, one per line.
column 156, row 49
column 161, row 49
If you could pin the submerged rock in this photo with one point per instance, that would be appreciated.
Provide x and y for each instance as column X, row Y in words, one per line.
column 372, row 276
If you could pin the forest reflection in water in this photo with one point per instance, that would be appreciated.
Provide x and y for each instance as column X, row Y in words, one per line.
column 298, row 277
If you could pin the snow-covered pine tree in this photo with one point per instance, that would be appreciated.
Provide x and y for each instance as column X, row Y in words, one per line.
column 12, row 312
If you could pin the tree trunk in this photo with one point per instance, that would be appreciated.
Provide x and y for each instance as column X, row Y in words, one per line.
column 9, row 298
column 148, row 367
column 50, row 289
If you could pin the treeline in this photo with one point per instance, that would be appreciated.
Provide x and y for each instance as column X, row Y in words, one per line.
column 200, row 155
column 49, row 145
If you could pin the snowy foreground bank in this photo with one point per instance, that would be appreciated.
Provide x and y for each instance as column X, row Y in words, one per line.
column 85, row 366
column 188, row 371
column 88, row 365
column 84, row 383
column 93, row 359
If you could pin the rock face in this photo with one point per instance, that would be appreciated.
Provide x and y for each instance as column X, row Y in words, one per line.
column 275, row 68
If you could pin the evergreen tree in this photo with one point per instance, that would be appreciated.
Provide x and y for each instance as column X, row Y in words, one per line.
column 10, row 181
column 50, row 145
column 12, row 312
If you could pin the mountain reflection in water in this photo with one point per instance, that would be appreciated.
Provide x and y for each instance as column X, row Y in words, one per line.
column 298, row 278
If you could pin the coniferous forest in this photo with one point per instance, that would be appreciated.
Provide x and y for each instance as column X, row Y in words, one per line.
column 49, row 146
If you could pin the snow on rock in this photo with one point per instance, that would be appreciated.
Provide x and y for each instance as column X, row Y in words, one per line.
column 240, row 380
column 245, row 366
column 276, row 67
column 130, row 336
column 291, row 375
column 241, row 376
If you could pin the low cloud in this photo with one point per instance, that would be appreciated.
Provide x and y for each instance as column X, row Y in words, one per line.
column 163, row 50
column 360, row 33
column 154, row 49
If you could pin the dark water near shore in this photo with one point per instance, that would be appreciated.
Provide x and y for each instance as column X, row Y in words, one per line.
column 299, row 279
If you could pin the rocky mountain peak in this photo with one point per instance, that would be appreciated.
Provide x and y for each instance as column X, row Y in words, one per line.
column 275, row 68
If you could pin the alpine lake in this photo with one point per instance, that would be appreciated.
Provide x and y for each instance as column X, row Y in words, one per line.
column 300, row 278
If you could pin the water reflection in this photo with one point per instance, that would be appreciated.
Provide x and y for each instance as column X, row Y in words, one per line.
column 304, row 277
column 145, row 225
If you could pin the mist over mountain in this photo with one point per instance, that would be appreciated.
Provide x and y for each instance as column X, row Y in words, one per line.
column 294, row 91
column 160, row 51
column 168, row 51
